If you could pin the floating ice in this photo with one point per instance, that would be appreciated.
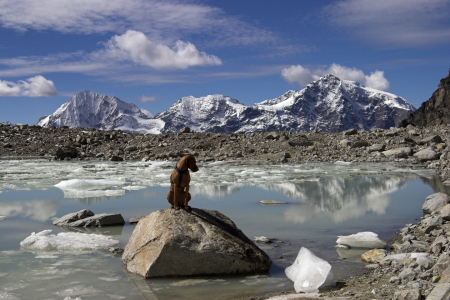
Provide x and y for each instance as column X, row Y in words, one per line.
column 309, row 272
column 88, row 184
column 365, row 239
column 67, row 241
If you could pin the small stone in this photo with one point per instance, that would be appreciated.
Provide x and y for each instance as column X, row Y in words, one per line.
column 411, row 294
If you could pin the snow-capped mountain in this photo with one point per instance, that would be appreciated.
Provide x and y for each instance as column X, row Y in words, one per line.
column 88, row 109
column 216, row 113
column 327, row 104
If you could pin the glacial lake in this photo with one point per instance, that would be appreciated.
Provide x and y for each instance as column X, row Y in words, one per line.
column 325, row 200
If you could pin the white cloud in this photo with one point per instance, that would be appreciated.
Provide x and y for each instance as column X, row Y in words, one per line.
column 135, row 46
column 302, row 76
column 163, row 21
column 146, row 99
column 393, row 23
column 36, row 86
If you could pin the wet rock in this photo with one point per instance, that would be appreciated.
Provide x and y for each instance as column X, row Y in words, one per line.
column 135, row 220
column 203, row 241
column 86, row 218
column 263, row 240
column 116, row 250
column 73, row 217
column 373, row 256
column 435, row 202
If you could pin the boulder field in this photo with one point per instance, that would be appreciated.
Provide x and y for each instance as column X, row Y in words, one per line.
column 424, row 146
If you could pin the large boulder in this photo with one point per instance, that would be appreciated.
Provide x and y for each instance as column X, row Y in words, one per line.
column 86, row 218
column 435, row 202
column 201, row 242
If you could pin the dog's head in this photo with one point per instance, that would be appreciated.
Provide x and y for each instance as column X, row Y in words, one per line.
column 190, row 162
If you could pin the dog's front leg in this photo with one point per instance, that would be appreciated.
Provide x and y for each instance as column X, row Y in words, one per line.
column 186, row 199
column 176, row 194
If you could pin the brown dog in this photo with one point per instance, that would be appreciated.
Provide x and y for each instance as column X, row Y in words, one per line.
column 179, row 182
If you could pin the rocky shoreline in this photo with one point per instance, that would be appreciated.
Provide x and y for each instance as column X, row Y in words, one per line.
column 426, row 147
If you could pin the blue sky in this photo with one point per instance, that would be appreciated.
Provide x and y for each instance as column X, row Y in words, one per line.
column 152, row 53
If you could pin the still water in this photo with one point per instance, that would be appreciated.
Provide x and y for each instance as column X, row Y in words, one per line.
column 324, row 201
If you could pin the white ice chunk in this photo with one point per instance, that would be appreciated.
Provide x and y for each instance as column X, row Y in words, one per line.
column 87, row 184
column 67, row 241
column 365, row 239
column 309, row 272
column 133, row 187
column 343, row 163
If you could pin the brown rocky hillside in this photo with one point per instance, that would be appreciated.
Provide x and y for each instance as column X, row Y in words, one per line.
column 435, row 111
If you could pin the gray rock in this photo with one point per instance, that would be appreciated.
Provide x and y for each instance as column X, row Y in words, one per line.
column 301, row 143
column 345, row 143
column 372, row 266
column 271, row 202
column 116, row 158
column 178, row 243
column 185, row 130
column 73, row 217
column 426, row 155
column 135, row 220
column 444, row 212
column 435, row 202
column 350, row 132
column 377, row 148
column 130, row 148
column 66, row 152
column 86, row 218
column 440, row 292
column 411, row 294
column 407, row 273
column 403, row 152
column 100, row 220
column 431, row 139
column 359, row 144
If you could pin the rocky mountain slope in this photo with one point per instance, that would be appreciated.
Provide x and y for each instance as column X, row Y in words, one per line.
column 89, row 109
column 327, row 104
column 434, row 111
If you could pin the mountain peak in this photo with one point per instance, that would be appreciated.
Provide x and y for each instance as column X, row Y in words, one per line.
column 327, row 104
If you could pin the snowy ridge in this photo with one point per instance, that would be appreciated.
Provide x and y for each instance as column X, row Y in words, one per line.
column 89, row 109
column 327, row 104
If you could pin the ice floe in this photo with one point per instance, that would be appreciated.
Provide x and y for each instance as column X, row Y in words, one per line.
column 309, row 272
column 365, row 239
column 104, row 175
column 67, row 241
